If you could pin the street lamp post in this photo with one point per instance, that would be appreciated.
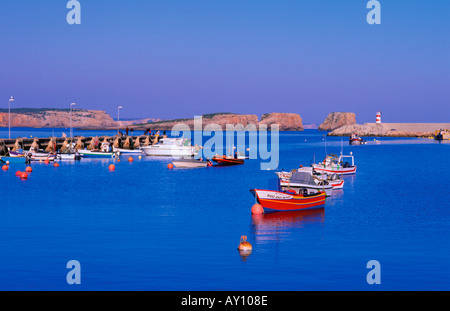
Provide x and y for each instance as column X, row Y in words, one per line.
column 9, row 116
column 118, row 112
column 72, row 104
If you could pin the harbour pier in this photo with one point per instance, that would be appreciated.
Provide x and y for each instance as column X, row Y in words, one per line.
column 52, row 144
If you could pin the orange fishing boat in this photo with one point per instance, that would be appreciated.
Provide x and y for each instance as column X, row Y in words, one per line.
column 224, row 160
column 277, row 201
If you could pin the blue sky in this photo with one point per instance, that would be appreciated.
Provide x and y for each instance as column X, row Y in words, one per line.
column 173, row 59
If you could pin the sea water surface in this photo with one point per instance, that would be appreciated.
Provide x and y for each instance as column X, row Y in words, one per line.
column 147, row 227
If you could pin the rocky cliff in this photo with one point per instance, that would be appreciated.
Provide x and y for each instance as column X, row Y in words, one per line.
column 286, row 121
column 56, row 118
column 336, row 120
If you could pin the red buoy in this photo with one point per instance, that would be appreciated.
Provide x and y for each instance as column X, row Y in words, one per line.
column 244, row 245
column 5, row 167
column 170, row 165
column 112, row 167
column 18, row 173
column 28, row 169
column 46, row 161
column 130, row 159
column 55, row 164
column 257, row 209
column 23, row 175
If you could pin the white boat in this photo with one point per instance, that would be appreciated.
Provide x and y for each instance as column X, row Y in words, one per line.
column 69, row 156
column 104, row 152
column 171, row 147
column 336, row 165
column 190, row 163
column 334, row 180
column 96, row 153
column 304, row 182
column 128, row 151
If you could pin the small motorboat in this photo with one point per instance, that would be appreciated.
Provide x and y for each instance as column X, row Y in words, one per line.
column 299, row 181
column 104, row 152
column 277, row 201
column 356, row 140
column 334, row 180
column 69, row 156
column 128, row 151
column 224, row 160
column 171, row 147
column 190, row 163
column 34, row 155
column 336, row 165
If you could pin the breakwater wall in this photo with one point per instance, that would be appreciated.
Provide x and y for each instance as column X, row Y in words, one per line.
column 60, row 143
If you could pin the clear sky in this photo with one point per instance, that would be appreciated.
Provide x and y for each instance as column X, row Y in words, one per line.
column 175, row 59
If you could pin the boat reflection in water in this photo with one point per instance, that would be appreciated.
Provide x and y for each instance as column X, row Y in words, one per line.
column 277, row 226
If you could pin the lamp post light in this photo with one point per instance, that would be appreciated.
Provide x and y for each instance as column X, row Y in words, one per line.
column 9, row 116
column 118, row 112
column 72, row 104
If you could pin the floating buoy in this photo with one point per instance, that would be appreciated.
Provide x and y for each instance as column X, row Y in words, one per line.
column 257, row 209
column 23, row 175
column 55, row 164
column 209, row 163
column 130, row 159
column 170, row 165
column 7, row 162
column 5, row 167
column 46, row 161
column 118, row 159
column 18, row 173
column 139, row 157
column 244, row 245
column 112, row 167
column 28, row 169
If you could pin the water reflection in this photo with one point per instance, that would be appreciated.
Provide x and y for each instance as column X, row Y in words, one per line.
column 278, row 226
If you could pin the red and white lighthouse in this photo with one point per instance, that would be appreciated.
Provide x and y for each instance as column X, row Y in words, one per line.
column 378, row 117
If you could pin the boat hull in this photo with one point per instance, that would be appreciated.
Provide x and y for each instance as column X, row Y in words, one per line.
column 163, row 151
column 334, row 169
column 227, row 161
column 96, row 154
column 276, row 201
column 189, row 163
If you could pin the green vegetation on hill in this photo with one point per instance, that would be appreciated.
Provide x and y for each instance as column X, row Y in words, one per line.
column 38, row 110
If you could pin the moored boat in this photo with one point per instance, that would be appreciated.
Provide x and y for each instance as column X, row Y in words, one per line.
column 334, row 180
column 171, row 147
column 336, row 165
column 356, row 140
column 128, row 151
column 303, row 180
column 224, row 160
column 276, row 201
column 190, row 163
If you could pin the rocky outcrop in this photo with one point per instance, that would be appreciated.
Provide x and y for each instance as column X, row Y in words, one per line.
column 286, row 121
column 336, row 120
column 57, row 118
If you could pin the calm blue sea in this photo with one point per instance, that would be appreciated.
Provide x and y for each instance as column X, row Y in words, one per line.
column 145, row 227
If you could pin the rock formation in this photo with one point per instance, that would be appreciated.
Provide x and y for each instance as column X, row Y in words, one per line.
column 286, row 121
column 336, row 120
